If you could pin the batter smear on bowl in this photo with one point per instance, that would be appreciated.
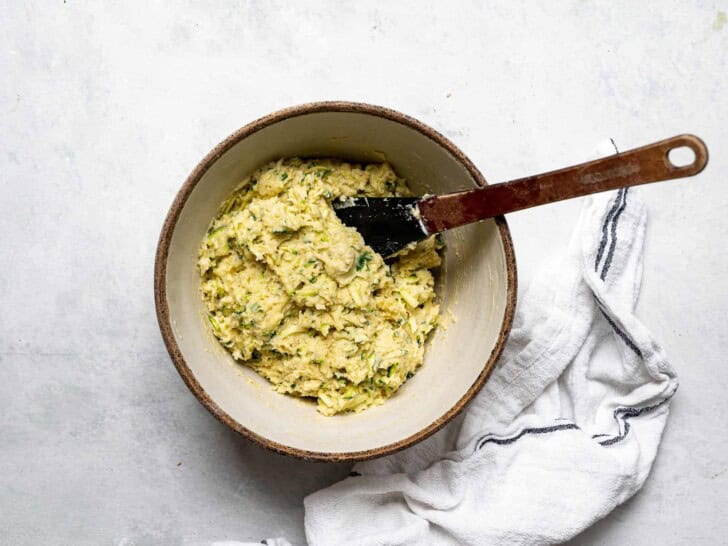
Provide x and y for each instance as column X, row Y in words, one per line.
column 297, row 296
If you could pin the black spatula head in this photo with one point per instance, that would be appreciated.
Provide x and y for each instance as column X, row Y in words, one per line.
column 388, row 224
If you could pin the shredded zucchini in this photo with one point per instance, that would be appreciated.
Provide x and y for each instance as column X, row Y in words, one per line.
column 299, row 297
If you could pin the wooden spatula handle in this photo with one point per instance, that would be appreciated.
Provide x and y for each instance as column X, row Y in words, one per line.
column 639, row 166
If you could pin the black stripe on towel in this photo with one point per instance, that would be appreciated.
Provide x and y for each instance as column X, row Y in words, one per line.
column 623, row 414
column 603, row 242
column 627, row 341
column 605, row 230
column 616, row 150
column 613, row 245
column 543, row 430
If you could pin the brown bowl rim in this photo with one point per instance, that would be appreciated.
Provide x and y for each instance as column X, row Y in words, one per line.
column 160, row 286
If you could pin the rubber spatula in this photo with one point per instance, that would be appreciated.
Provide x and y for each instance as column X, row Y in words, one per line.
column 388, row 224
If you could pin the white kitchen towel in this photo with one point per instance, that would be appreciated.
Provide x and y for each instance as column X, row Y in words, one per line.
column 566, row 428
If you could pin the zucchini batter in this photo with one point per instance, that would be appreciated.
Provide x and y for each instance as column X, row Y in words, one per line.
column 297, row 296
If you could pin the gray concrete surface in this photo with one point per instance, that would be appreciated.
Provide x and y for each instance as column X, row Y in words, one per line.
column 106, row 107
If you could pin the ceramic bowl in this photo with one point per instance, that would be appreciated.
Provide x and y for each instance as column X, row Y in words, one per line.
column 477, row 286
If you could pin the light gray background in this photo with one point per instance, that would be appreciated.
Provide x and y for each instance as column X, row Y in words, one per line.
column 104, row 110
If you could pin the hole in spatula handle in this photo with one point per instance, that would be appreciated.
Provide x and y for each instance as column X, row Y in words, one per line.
column 681, row 157
column 686, row 154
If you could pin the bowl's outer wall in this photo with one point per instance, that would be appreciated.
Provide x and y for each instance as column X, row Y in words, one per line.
column 477, row 294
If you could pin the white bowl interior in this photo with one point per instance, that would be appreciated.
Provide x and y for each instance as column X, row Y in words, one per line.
column 473, row 288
